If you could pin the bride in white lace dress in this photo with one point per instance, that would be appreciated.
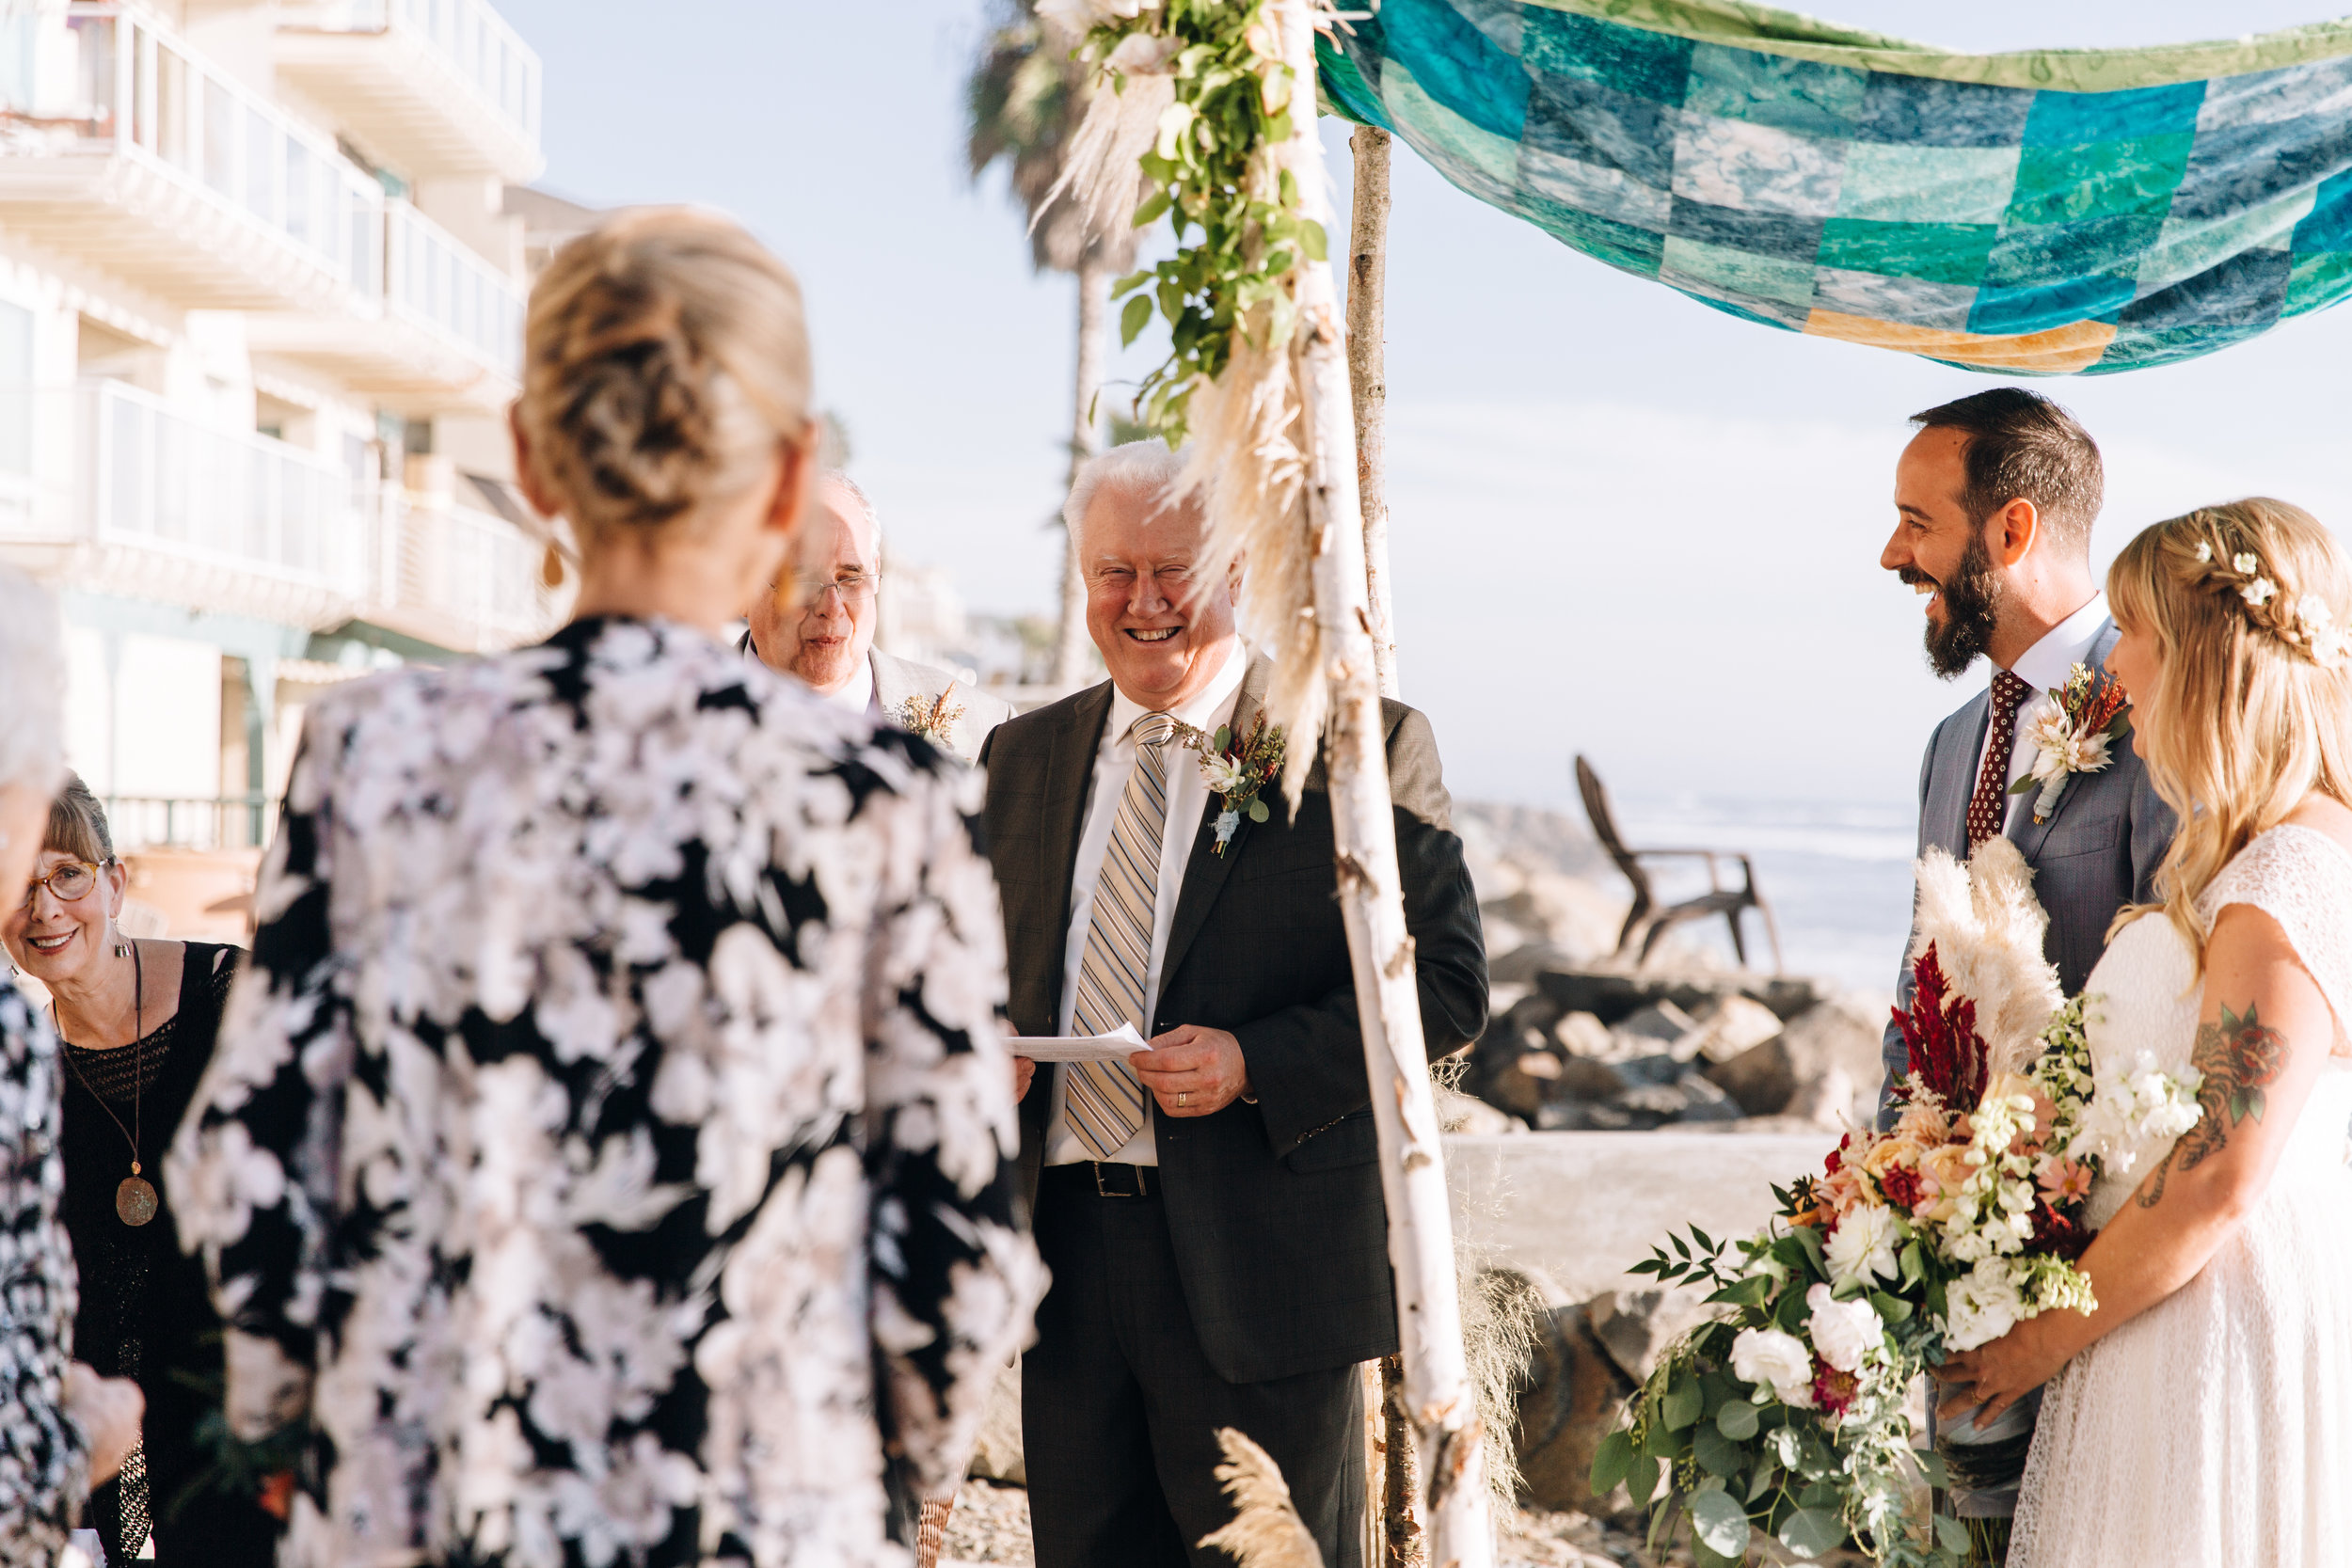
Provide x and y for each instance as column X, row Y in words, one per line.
column 2202, row 1415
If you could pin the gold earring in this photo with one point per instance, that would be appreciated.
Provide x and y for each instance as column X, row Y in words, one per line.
column 551, row 568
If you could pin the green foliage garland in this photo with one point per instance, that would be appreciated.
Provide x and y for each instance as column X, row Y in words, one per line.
column 1233, row 100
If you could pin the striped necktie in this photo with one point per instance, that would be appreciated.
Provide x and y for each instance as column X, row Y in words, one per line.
column 1106, row 1100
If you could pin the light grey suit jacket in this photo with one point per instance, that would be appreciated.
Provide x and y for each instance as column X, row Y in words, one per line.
column 2098, row 851
column 895, row 680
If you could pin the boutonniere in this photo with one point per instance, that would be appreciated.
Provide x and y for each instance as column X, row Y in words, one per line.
column 933, row 719
column 2075, row 732
column 1237, row 769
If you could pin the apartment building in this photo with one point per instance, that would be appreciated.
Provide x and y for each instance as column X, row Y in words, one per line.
column 260, row 307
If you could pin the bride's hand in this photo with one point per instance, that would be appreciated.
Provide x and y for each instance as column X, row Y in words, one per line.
column 1998, row 1374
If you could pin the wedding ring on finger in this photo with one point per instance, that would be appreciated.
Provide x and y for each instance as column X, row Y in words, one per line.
column 1183, row 1100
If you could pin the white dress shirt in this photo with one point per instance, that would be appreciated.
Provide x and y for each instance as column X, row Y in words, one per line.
column 858, row 695
column 1187, row 798
column 2045, row 668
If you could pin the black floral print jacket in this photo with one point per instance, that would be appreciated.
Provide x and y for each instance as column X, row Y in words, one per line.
column 610, row 1138
column 44, row 1463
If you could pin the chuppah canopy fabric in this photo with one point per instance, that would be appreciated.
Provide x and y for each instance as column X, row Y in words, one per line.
column 2048, row 212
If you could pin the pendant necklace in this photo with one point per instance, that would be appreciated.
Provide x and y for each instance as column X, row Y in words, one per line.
column 134, row 1199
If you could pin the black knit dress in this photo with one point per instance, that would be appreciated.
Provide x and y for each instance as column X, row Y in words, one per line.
column 145, row 1310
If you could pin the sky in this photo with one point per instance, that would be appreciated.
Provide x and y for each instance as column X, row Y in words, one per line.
column 1624, row 524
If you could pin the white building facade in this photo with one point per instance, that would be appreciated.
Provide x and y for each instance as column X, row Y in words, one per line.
column 260, row 316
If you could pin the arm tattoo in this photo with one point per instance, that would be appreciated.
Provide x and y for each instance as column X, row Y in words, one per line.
column 2239, row 1058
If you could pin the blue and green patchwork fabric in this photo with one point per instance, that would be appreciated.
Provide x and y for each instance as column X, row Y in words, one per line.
column 2065, row 211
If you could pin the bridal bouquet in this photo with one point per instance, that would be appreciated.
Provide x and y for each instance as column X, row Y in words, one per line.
column 1785, row 1414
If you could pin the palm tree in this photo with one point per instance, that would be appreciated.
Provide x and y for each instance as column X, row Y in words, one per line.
column 1025, row 97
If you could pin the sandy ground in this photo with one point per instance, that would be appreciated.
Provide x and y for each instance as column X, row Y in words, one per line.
column 992, row 1526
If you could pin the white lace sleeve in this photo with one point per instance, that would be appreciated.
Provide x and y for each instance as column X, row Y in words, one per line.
column 2302, row 878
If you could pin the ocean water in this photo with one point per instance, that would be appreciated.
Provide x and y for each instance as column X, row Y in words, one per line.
column 1837, row 875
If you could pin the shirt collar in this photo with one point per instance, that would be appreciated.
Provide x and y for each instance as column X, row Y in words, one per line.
column 2045, row 665
column 858, row 694
column 1210, row 706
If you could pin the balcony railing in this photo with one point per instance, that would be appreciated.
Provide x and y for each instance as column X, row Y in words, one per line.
column 434, row 281
column 114, row 86
column 160, row 479
column 461, row 579
column 191, row 821
column 390, row 64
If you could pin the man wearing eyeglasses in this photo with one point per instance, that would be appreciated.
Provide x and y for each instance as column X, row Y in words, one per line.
column 821, row 628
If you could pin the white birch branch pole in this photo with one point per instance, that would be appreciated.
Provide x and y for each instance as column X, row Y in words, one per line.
column 1367, row 380
column 1437, row 1387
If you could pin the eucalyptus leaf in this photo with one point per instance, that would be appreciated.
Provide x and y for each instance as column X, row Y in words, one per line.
column 1133, row 320
column 1720, row 1524
column 1612, row 1460
column 1951, row 1535
column 1717, row 1455
column 1682, row 1403
column 1641, row 1482
column 1258, row 812
column 1812, row 1531
column 1738, row 1420
column 1931, row 1467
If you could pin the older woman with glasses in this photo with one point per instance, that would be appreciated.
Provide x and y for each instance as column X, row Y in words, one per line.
column 137, row 1019
column 62, row 1428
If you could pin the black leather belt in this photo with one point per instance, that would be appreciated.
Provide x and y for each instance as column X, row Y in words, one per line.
column 1105, row 1180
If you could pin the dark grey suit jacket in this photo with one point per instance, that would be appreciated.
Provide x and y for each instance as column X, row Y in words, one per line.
column 1275, row 1208
column 2099, row 850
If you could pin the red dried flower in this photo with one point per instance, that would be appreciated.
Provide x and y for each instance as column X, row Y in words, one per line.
column 1833, row 1390
column 1940, row 1034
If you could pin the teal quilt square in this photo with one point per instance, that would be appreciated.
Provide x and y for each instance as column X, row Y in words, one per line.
column 1928, row 184
column 1810, row 99
column 1742, row 275
column 1933, row 252
column 2062, row 184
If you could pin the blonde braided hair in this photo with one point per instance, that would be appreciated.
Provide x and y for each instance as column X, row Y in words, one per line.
column 665, row 360
column 2252, row 709
column 2305, row 622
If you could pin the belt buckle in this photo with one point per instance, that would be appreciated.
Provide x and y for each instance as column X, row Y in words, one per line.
column 1141, row 1188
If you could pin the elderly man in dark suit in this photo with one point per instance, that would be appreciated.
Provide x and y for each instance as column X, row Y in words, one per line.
column 1995, row 498
column 1210, row 1207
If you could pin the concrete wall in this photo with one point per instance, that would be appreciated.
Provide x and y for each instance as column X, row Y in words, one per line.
column 1584, row 1206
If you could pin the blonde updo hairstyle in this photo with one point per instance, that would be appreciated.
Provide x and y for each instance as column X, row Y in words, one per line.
column 2249, row 605
column 665, row 362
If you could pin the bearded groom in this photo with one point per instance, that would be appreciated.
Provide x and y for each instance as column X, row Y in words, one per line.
column 1995, row 501
column 1210, row 1207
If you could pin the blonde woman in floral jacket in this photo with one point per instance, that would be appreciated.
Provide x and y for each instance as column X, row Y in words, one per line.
column 608, row 1154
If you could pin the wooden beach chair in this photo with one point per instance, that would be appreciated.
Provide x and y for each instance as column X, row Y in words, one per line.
column 1647, row 920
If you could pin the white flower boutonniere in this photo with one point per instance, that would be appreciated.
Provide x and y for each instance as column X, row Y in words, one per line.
column 933, row 721
column 1237, row 769
column 2075, row 733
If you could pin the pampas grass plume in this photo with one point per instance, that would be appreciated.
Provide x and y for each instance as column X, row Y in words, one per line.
column 1265, row 1531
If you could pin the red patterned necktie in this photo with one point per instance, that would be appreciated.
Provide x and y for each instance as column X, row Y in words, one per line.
column 1988, row 809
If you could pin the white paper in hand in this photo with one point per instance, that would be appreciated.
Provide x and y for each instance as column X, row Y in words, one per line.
column 1117, row 1046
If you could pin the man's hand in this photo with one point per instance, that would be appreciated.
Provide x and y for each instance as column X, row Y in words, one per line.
column 107, row 1409
column 1024, row 1068
column 1193, row 1071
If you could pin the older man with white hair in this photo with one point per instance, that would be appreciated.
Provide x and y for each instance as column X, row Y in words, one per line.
column 818, row 625
column 66, row 1427
column 1210, row 1207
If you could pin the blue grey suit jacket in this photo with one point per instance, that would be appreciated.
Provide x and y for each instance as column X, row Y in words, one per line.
column 2098, row 851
